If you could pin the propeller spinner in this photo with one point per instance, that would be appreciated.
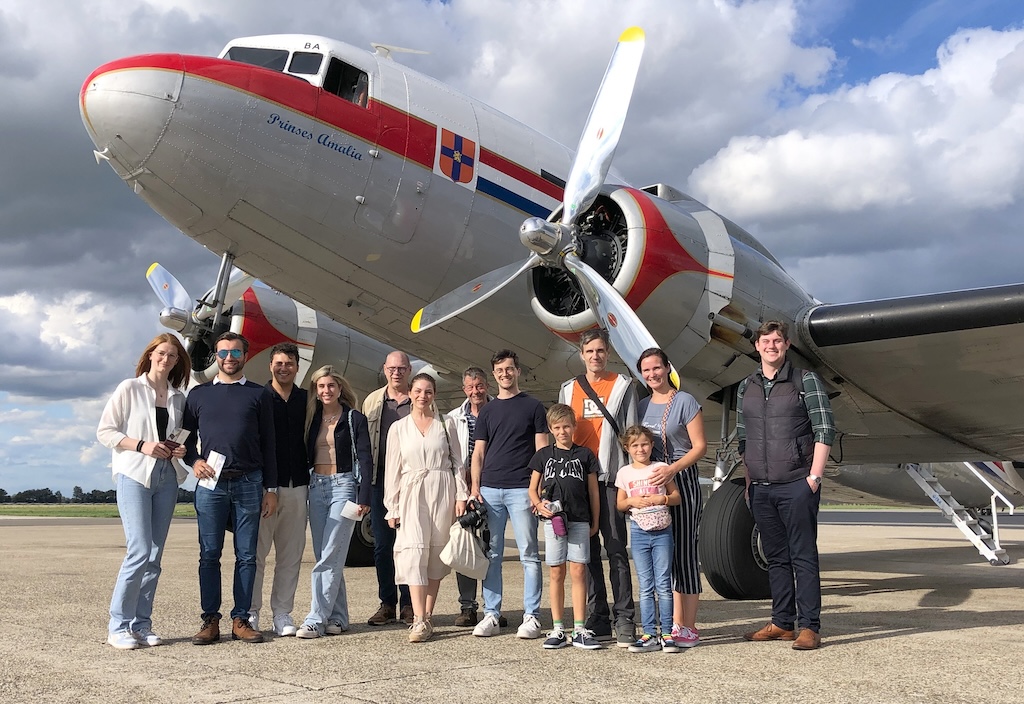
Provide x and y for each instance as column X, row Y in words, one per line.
column 556, row 243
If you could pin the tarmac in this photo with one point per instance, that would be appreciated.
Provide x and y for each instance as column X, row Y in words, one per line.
column 911, row 614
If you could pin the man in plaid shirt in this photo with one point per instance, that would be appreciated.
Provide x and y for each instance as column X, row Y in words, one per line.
column 785, row 430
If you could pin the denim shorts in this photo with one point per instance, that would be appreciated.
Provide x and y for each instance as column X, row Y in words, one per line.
column 574, row 546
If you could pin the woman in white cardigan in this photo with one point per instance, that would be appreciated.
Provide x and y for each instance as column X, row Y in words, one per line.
column 136, row 423
column 424, row 490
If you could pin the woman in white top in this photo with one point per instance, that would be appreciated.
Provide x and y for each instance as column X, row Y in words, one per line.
column 425, row 489
column 136, row 422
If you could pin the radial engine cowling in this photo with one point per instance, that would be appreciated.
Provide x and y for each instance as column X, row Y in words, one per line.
column 657, row 254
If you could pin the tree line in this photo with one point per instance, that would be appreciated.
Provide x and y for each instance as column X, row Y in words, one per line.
column 78, row 496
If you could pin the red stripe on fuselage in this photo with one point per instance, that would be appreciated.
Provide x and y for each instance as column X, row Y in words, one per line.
column 519, row 173
column 392, row 129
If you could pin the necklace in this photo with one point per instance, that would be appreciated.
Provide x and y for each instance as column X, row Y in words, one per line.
column 330, row 419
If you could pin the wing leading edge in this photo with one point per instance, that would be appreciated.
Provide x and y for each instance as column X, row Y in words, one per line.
column 949, row 362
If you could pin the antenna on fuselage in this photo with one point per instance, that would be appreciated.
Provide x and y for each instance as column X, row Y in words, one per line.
column 384, row 50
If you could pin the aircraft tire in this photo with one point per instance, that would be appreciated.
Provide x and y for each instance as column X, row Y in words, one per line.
column 360, row 550
column 728, row 548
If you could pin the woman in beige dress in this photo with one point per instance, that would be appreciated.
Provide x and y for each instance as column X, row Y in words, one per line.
column 425, row 489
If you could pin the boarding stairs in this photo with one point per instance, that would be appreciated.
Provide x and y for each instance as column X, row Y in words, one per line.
column 984, row 534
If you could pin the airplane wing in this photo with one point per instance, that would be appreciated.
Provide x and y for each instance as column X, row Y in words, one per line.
column 938, row 377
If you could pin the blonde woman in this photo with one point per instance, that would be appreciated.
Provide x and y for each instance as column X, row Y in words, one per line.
column 338, row 444
column 425, row 489
column 135, row 425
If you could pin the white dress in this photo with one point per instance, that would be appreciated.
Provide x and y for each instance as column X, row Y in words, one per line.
column 424, row 477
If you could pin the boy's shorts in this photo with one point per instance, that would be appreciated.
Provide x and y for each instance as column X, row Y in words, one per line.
column 574, row 547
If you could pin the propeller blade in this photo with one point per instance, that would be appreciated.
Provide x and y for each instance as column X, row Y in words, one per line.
column 238, row 283
column 468, row 295
column 171, row 293
column 604, row 126
column 628, row 334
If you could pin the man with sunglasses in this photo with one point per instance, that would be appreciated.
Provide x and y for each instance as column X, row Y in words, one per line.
column 233, row 420
column 382, row 409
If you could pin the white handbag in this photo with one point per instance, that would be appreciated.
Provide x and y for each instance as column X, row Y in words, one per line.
column 464, row 552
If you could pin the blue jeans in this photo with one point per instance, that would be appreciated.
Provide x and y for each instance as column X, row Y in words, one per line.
column 331, row 535
column 502, row 505
column 239, row 499
column 652, row 555
column 146, row 518
column 384, row 551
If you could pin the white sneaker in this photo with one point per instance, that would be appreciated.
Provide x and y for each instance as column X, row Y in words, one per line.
column 487, row 627
column 123, row 640
column 254, row 620
column 530, row 628
column 307, row 630
column 334, row 628
column 148, row 638
column 283, row 625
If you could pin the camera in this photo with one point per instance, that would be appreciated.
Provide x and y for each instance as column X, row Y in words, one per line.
column 473, row 517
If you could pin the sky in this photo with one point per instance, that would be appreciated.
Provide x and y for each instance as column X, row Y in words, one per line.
column 875, row 147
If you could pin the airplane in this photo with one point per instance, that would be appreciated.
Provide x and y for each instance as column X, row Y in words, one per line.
column 364, row 189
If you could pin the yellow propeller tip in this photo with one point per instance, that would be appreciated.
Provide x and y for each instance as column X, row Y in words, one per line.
column 674, row 378
column 415, row 325
column 633, row 34
column 152, row 266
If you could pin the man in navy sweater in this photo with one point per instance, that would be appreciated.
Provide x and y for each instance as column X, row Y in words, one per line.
column 233, row 419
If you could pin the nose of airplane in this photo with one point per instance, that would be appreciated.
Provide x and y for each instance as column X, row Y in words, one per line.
column 126, row 105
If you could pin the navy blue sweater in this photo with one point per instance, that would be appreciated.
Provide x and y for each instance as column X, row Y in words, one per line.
column 236, row 420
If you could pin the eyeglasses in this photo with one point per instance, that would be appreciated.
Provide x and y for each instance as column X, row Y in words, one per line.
column 396, row 370
column 234, row 354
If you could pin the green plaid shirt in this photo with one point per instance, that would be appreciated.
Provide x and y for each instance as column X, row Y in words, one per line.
column 819, row 410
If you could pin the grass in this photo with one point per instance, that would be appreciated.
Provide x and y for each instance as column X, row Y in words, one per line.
column 80, row 510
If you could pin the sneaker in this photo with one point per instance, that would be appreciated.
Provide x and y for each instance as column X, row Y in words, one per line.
column 582, row 638
column 148, row 638
column 468, row 617
column 530, row 628
column 556, row 639
column 625, row 635
column 487, row 627
column 242, row 630
column 123, row 640
column 254, row 620
column 646, row 644
column 407, row 615
column 385, row 615
column 669, row 644
column 283, row 625
column 307, row 630
column 687, row 638
column 420, row 632
column 334, row 628
column 209, row 633
column 602, row 630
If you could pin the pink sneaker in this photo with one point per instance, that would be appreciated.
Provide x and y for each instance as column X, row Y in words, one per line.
column 686, row 638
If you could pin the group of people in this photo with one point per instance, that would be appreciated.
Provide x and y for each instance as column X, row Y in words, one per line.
column 269, row 459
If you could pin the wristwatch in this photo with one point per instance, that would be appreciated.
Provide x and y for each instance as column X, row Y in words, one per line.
column 272, row 490
column 815, row 478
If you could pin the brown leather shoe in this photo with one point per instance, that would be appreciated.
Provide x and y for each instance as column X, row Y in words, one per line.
column 408, row 615
column 241, row 629
column 468, row 617
column 209, row 633
column 769, row 632
column 385, row 615
column 807, row 640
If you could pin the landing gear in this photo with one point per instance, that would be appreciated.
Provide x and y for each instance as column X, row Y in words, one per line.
column 729, row 547
column 360, row 549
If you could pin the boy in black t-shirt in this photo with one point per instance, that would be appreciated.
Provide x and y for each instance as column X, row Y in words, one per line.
column 564, row 491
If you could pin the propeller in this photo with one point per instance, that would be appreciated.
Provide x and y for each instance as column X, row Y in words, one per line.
column 556, row 243
column 179, row 313
column 167, row 288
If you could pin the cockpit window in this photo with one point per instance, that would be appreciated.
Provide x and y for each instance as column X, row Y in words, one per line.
column 306, row 63
column 347, row 82
column 274, row 59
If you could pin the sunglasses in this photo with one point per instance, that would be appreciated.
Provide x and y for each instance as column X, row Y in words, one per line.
column 234, row 354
